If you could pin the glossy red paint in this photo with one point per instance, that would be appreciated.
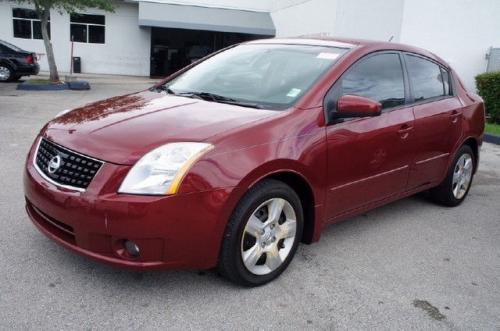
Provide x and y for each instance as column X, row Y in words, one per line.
column 347, row 167
column 356, row 106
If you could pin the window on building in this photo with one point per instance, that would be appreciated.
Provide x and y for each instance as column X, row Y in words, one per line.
column 427, row 78
column 27, row 24
column 378, row 77
column 88, row 28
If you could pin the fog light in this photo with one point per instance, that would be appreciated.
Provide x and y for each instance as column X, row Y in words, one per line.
column 132, row 248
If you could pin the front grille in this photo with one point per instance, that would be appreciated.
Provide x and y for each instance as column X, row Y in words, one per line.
column 69, row 169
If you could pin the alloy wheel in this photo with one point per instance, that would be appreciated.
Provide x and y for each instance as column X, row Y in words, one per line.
column 462, row 176
column 4, row 73
column 268, row 236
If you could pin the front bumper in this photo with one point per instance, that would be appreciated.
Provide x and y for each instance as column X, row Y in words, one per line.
column 183, row 231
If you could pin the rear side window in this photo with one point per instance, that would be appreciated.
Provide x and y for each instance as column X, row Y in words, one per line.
column 446, row 81
column 378, row 77
column 427, row 78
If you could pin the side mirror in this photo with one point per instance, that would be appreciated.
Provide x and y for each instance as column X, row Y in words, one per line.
column 356, row 106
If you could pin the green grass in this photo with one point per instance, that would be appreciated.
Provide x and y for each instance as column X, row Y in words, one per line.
column 492, row 128
column 42, row 81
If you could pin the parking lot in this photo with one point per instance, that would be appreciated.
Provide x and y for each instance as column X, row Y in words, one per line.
column 408, row 265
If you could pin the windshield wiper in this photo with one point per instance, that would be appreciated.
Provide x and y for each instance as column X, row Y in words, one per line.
column 210, row 97
column 163, row 88
column 220, row 98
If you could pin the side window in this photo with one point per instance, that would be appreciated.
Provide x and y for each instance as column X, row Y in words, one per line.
column 446, row 81
column 426, row 78
column 378, row 77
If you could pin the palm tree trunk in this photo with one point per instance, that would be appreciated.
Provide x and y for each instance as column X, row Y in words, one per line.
column 44, row 15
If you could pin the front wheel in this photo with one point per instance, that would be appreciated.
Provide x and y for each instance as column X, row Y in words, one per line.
column 457, row 183
column 262, row 235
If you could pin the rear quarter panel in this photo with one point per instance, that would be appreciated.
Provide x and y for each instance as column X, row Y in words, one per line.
column 473, row 114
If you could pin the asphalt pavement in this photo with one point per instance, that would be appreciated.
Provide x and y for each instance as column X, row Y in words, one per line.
column 408, row 265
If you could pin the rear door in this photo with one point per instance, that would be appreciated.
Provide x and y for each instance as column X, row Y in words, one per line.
column 437, row 119
column 369, row 158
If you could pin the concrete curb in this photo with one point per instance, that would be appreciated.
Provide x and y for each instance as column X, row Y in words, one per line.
column 27, row 86
column 74, row 85
column 491, row 138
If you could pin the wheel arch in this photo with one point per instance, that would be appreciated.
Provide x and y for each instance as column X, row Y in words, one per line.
column 8, row 63
column 306, row 195
column 292, row 175
column 474, row 145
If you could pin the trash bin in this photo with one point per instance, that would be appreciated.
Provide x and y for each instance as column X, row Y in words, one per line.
column 77, row 64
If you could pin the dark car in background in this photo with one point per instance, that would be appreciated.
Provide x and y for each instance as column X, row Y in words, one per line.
column 16, row 62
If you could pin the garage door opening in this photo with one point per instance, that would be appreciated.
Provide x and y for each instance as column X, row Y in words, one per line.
column 173, row 49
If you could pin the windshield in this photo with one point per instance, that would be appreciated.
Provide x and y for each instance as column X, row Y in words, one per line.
column 260, row 75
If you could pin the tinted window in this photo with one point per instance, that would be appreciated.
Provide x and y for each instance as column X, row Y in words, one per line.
column 79, row 33
column 24, row 13
column 96, row 34
column 27, row 25
column 87, row 19
column 379, row 77
column 88, row 28
column 22, row 29
column 426, row 78
column 446, row 82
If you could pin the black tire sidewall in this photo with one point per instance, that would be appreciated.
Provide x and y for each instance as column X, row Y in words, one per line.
column 253, row 199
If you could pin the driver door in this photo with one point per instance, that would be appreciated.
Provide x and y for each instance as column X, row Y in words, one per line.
column 369, row 158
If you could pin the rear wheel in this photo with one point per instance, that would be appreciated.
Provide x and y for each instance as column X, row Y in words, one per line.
column 457, row 183
column 6, row 73
column 262, row 235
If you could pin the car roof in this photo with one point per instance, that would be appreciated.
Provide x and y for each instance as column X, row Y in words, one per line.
column 350, row 43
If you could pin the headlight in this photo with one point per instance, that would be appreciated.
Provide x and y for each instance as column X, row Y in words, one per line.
column 161, row 171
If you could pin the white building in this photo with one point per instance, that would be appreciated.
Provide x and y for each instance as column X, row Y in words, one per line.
column 155, row 37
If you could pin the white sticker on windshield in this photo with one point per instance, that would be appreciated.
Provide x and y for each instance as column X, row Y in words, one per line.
column 328, row 56
column 293, row 92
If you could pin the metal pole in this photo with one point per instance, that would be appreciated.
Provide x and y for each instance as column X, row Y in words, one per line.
column 71, row 58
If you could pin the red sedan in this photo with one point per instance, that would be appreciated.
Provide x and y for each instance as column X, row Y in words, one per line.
column 234, row 160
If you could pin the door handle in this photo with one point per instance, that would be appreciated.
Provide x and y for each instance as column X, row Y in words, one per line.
column 454, row 116
column 404, row 131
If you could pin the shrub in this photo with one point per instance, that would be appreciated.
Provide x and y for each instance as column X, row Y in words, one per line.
column 488, row 86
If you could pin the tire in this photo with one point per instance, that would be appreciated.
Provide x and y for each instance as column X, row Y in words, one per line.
column 258, row 246
column 455, row 187
column 6, row 73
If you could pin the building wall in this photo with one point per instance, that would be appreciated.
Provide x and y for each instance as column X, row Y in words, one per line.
column 125, row 52
column 460, row 31
column 369, row 19
column 299, row 17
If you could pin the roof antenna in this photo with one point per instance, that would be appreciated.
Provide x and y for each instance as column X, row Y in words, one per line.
column 390, row 39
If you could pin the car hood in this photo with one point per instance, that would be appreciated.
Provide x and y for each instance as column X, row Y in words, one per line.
column 122, row 129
